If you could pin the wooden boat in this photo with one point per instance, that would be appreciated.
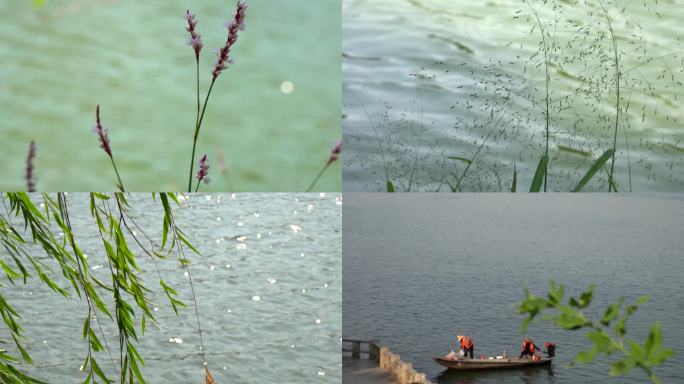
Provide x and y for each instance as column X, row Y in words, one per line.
column 474, row 364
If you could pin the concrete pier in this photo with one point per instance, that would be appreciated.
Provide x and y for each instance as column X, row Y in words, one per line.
column 382, row 367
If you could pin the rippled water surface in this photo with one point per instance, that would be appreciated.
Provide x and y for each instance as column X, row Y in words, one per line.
column 419, row 270
column 424, row 80
column 270, row 305
column 57, row 62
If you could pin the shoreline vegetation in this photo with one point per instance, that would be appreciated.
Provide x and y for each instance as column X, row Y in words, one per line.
column 588, row 56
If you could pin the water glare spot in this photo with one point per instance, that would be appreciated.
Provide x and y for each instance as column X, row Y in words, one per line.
column 240, row 224
column 286, row 87
column 212, row 268
column 176, row 340
column 256, row 298
column 318, row 321
column 322, row 194
column 218, row 219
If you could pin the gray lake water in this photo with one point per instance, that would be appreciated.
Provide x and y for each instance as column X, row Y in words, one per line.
column 291, row 335
column 58, row 61
column 423, row 78
column 420, row 269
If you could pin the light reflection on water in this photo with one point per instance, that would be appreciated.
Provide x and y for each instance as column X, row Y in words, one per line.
column 270, row 311
column 412, row 97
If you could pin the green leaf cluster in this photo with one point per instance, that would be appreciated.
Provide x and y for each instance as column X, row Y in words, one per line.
column 607, row 335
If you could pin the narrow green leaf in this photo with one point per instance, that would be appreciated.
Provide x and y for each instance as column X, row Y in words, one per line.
column 514, row 185
column 594, row 168
column 390, row 186
column 463, row 159
column 539, row 174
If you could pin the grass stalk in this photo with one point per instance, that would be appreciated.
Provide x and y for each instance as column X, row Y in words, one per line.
column 118, row 177
column 315, row 180
column 617, row 98
column 197, row 130
column 546, row 80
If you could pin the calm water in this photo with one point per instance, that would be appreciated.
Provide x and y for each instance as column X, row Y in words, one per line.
column 419, row 269
column 423, row 78
column 292, row 334
column 59, row 61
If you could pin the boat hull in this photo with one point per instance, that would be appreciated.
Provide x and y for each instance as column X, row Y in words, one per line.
column 480, row 364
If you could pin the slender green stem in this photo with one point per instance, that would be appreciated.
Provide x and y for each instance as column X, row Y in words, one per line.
column 194, row 140
column 197, row 187
column 547, row 80
column 118, row 177
column 198, row 97
column 617, row 101
column 313, row 183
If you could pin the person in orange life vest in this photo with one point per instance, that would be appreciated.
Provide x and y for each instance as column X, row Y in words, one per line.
column 467, row 345
column 550, row 349
column 528, row 347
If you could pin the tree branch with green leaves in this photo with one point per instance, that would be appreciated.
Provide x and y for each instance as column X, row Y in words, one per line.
column 607, row 335
column 32, row 222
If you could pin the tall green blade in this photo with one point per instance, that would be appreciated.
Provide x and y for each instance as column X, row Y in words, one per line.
column 594, row 168
column 390, row 186
column 539, row 174
column 514, row 185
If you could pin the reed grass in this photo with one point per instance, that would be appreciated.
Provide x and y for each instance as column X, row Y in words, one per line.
column 617, row 97
column 595, row 106
column 547, row 80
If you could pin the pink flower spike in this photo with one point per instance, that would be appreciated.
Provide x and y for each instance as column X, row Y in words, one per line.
column 335, row 152
column 203, row 170
column 236, row 25
column 102, row 133
column 195, row 38
column 30, row 179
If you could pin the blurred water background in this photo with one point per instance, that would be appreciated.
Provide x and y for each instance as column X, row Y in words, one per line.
column 427, row 79
column 270, row 304
column 272, row 116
